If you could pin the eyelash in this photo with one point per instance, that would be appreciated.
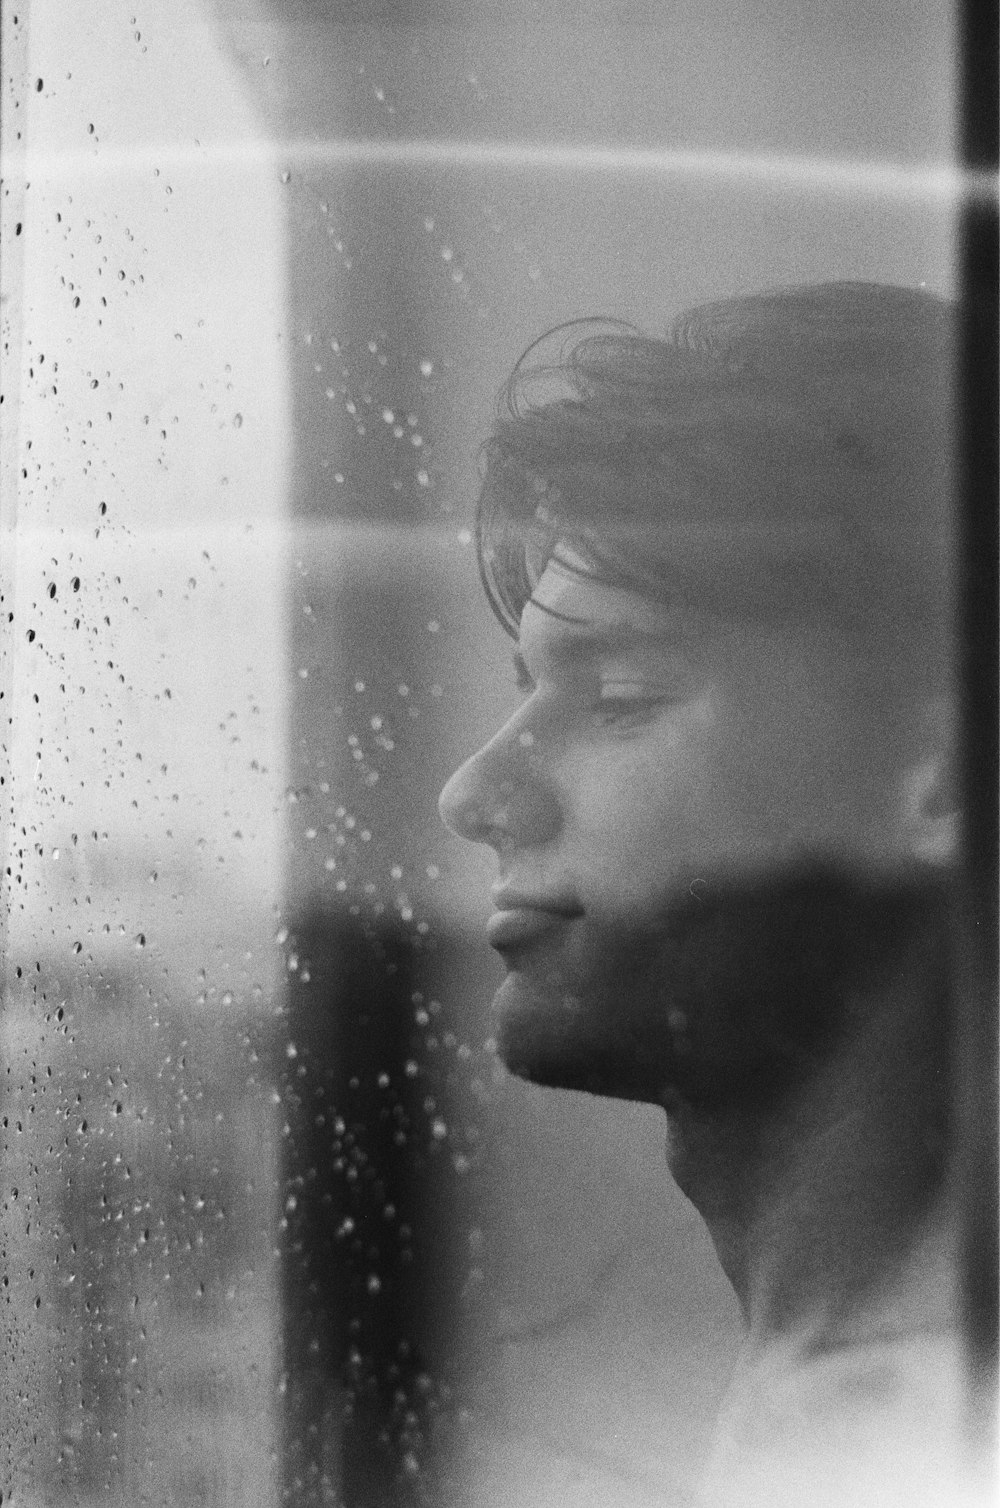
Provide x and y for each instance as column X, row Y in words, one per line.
column 611, row 710
column 615, row 710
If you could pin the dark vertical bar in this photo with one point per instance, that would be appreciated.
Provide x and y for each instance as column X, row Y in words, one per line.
column 351, row 1214
column 369, row 1274
column 976, row 1010
column 365, row 1300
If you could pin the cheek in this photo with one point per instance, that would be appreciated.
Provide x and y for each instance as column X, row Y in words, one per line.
column 797, row 773
column 639, row 812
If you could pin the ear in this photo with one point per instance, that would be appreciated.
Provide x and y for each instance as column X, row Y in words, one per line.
column 930, row 799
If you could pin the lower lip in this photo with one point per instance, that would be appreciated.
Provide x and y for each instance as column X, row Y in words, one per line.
column 522, row 924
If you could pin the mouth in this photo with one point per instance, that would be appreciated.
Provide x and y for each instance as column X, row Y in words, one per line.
column 518, row 921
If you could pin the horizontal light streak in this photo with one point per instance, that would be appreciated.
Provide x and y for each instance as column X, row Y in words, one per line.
column 892, row 180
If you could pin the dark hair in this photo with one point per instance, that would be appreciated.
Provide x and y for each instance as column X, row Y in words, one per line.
column 783, row 451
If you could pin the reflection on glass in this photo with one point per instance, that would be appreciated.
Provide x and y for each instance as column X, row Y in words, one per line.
column 277, row 1225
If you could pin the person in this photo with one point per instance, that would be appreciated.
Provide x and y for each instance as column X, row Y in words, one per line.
column 726, row 829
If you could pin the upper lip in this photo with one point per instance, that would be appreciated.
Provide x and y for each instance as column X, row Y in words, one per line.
column 506, row 898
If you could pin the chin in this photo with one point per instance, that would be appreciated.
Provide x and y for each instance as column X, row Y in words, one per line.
column 563, row 1039
column 729, row 1000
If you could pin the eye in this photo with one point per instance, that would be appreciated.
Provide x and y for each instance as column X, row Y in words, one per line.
column 630, row 703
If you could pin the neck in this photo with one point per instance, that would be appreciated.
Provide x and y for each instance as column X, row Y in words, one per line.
column 817, row 1196
column 718, row 1161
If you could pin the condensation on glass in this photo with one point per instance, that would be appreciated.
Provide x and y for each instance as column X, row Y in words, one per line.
column 273, row 1226
column 144, row 412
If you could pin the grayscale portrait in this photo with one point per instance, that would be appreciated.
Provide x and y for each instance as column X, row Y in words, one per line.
column 498, row 791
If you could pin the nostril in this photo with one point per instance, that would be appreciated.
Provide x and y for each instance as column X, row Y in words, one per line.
column 458, row 805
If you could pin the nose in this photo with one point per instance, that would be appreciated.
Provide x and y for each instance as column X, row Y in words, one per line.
column 504, row 794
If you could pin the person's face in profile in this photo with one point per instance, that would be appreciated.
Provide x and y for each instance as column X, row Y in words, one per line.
column 659, row 757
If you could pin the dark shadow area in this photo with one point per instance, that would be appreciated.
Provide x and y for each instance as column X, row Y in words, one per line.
column 976, row 1023
column 371, row 1227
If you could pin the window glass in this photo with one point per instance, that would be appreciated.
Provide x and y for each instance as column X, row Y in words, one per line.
column 275, row 1226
